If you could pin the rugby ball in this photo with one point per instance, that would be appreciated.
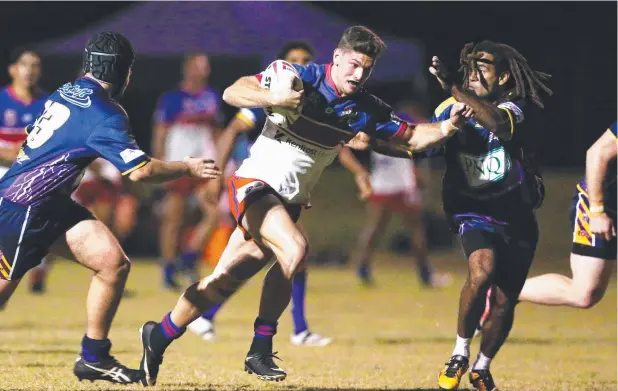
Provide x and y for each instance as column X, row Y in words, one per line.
column 280, row 75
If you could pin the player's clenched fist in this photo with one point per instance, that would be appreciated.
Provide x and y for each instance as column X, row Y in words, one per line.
column 202, row 168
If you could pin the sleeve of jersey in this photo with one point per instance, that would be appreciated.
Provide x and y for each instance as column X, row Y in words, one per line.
column 163, row 112
column 250, row 116
column 443, row 111
column 391, row 128
column 113, row 141
column 515, row 111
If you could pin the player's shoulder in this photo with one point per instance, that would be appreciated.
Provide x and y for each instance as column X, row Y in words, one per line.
column 87, row 98
column 4, row 93
column 211, row 91
column 517, row 106
column 172, row 95
column 311, row 72
column 444, row 107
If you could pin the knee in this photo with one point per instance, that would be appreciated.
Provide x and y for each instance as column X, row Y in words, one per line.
column 295, row 255
column 117, row 270
column 218, row 286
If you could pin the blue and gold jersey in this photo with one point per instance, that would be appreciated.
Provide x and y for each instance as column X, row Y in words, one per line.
column 79, row 124
column 482, row 166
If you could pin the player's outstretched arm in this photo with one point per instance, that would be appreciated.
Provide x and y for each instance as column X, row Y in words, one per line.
column 247, row 92
column 604, row 150
column 157, row 171
column 418, row 137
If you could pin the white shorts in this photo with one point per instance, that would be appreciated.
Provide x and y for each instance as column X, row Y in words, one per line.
column 189, row 140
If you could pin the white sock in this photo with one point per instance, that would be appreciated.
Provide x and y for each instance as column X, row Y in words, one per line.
column 462, row 347
column 482, row 362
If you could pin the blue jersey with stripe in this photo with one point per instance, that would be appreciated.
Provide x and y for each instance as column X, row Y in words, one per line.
column 16, row 114
column 80, row 123
column 324, row 110
column 181, row 106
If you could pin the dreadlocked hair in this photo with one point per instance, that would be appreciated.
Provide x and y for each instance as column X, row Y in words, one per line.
column 527, row 82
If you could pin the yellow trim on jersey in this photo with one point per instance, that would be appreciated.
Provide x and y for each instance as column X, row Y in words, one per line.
column 130, row 170
column 510, row 119
column 5, row 267
column 612, row 133
column 442, row 106
column 579, row 188
column 245, row 119
column 586, row 237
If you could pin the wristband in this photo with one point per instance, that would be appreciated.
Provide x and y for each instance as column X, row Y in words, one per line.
column 596, row 210
column 446, row 126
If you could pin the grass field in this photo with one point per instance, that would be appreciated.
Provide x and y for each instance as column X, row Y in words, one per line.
column 395, row 336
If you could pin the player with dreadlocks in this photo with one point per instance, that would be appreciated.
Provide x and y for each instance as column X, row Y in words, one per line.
column 491, row 188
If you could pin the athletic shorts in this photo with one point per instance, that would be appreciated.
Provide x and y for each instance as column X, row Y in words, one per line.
column 514, row 243
column 27, row 232
column 242, row 192
column 585, row 242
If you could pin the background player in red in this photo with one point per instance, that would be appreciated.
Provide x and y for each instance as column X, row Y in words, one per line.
column 397, row 189
column 188, row 122
column 20, row 103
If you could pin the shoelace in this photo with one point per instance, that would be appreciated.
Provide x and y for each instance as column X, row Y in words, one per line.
column 266, row 356
column 453, row 367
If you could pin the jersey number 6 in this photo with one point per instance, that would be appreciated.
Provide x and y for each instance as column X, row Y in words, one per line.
column 54, row 116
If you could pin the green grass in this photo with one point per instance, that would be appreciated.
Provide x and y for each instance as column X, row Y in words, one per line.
column 396, row 336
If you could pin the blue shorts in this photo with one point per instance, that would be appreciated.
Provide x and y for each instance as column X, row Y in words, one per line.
column 27, row 232
column 584, row 241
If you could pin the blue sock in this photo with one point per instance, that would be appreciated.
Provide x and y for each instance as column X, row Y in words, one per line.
column 188, row 259
column 299, row 286
column 164, row 334
column 169, row 270
column 169, row 329
column 212, row 311
column 425, row 273
column 364, row 271
column 94, row 350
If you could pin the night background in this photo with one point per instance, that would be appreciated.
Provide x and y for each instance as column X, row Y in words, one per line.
column 573, row 41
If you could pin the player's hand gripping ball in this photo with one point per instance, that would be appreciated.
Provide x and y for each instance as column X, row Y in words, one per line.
column 284, row 81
